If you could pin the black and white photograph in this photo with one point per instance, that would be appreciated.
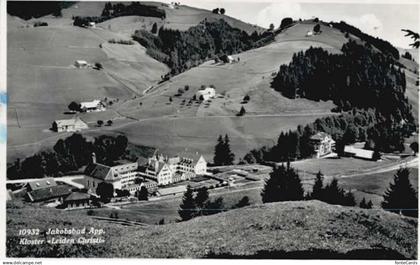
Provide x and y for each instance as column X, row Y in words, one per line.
column 211, row 129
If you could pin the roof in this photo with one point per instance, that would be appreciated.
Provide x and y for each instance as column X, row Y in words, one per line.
column 361, row 153
column 49, row 193
column 77, row 196
column 68, row 122
column 171, row 190
column 99, row 171
column 81, row 62
column 142, row 161
column 42, row 183
column 320, row 136
column 90, row 104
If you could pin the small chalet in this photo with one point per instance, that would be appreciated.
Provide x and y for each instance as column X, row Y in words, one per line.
column 91, row 106
column 206, row 94
column 69, row 125
column 323, row 144
column 46, row 190
column 352, row 151
column 77, row 200
column 81, row 64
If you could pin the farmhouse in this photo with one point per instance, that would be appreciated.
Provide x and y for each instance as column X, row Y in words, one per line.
column 91, row 106
column 77, row 200
column 92, row 25
column 323, row 144
column 121, row 175
column 81, row 64
column 206, row 94
column 353, row 151
column 46, row 190
column 166, row 170
column 69, row 125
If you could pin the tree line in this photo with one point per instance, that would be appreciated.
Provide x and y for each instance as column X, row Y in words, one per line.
column 35, row 9
column 197, row 203
column 119, row 9
column 382, row 45
column 284, row 185
column 360, row 77
column 181, row 50
column 357, row 125
column 69, row 154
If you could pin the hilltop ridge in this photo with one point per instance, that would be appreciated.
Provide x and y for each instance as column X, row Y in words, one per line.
column 301, row 229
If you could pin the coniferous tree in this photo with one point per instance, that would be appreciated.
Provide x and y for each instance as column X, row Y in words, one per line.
column 213, row 207
column 317, row 190
column 401, row 197
column 143, row 194
column 154, row 28
column 218, row 158
column 242, row 202
column 188, row 208
column 230, row 156
column 200, row 199
column 283, row 185
column 365, row 205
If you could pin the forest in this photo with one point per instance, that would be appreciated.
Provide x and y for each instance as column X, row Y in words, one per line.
column 384, row 46
column 181, row 50
column 357, row 125
column 69, row 155
column 119, row 9
column 360, row 77
column 35, row 9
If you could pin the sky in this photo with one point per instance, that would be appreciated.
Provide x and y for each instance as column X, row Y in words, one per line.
column 384, row 20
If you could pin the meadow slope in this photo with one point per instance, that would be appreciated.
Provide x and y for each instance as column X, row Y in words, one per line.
column 309, row 229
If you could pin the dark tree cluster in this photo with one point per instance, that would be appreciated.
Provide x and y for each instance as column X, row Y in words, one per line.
column 407, row 56
column 346, row 128
column 382, row 45
column 358, row 78
column 217, row 10
column 283, row 185
column 331, row 193
column 35, row 9
column 181, row 50
column 40, row 24
column 120, row 9
column 69, row 155
column 286, row 22
column 199, row 205
column 401, row 197
column 222, row 152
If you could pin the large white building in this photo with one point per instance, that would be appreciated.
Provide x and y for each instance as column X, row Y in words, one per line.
column 121, row 175
column 206, row 94
column 166, row 170
column 69, row 125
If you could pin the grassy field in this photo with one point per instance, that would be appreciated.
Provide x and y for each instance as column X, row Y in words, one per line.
column 276, row 229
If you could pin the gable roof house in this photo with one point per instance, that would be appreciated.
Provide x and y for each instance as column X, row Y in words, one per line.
column 206, row 94
column 46, row 190
column 358, row 152
column 69, row 125
column 81, row 64
column 120, row 175
column 77, row 200
column 94, row 105
column 323, row 144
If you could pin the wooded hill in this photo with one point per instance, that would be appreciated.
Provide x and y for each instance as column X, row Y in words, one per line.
column 181, row 50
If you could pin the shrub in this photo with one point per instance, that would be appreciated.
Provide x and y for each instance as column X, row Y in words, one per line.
column 40, row 24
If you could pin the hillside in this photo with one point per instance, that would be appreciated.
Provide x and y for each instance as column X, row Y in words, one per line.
column 41, row 58
column 309, row 229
